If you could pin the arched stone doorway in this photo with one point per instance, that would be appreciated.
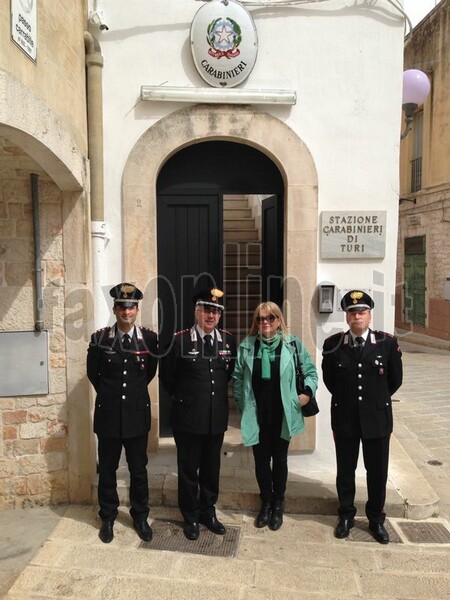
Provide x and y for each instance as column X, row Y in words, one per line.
column 293, row 160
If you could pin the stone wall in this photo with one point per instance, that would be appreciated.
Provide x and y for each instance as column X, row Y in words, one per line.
column 58, row 76
column 33, row 444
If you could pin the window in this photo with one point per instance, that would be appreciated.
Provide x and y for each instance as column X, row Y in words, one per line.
column 416, row 163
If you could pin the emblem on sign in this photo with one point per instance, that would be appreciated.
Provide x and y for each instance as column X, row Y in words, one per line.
column 224, row 37
column 224, row 43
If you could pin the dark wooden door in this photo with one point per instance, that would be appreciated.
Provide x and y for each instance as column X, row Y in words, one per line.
column 272, row 249
column 189, row 259
column 415, row 273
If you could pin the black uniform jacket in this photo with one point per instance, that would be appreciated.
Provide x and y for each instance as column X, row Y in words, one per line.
column 197, row 384
column 120, row 378
column 361, row 387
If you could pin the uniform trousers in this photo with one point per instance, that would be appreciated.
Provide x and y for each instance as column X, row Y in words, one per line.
column 271, row 463
column 198, row 459
column 376, row 460
column 109, row 451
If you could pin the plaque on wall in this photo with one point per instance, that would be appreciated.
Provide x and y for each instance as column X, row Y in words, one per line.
column 347, row 234
column 24, row 26
column 224, row 43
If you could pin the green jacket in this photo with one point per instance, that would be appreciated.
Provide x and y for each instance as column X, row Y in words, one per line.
column 243, row 391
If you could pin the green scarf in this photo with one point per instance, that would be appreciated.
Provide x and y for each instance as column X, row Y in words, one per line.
column 266, row 353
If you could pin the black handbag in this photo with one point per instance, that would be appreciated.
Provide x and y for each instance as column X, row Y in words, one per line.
column 311, row 408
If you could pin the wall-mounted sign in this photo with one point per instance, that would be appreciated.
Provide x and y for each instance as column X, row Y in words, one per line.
column 353, row 234
column 224, row 43
column 24, row 26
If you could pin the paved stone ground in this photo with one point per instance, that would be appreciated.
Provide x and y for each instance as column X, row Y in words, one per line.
column 55, row 553
column 302, row 560
column 422, row 416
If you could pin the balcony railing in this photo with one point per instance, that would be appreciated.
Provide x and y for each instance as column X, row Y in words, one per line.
column 416, row 174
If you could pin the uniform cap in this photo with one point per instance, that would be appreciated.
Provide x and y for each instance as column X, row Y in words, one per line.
column 356, row 300
column 126, row 295
column 209, row 297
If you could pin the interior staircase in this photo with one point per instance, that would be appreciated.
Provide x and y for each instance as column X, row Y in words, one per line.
column 242, row 265
column 242, row 281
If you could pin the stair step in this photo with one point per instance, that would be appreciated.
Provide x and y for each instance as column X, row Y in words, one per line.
column 242, row 288
column 243, row 259
column 240, row 234
column 239, row 223
column 242, row 249
column 245, row 303
column 237, row 213
column 240, row 271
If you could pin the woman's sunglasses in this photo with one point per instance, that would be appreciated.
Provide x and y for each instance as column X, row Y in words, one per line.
column 269, row 319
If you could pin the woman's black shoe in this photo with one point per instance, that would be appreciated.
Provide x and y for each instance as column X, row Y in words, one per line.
column 276, row 518
column 264, row 515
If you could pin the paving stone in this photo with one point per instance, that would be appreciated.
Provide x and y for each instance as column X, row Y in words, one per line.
column 401, row 587
column 276, row 576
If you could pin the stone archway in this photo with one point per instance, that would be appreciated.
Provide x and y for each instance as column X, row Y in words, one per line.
column 232, row 123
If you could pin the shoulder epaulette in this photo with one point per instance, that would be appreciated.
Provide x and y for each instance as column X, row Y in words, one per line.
column 103, row 329
column 147, row 329
column 335, row 335
column 385, row 333
column 182, row 331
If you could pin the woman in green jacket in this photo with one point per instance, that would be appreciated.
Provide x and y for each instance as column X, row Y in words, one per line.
column 264, row 388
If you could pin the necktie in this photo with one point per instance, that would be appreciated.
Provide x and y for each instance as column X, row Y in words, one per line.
column 126, row 342
column 207, row 340
column 359, row 344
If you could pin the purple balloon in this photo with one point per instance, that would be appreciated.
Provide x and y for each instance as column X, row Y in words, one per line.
column 416, row 87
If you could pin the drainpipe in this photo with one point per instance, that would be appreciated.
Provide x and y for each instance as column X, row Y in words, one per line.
column 94, row 66
column 39, row 324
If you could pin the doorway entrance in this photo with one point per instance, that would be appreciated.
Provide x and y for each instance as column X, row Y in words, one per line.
column 219, row 224
column 414, row 288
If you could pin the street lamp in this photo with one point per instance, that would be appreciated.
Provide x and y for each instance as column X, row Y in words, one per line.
column 416, row 87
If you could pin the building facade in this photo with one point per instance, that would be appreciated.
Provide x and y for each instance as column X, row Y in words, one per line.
column 284, row 185
column 317, row 157
column 423, row 260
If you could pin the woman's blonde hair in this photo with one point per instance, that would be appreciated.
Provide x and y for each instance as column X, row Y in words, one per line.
column 272, row 309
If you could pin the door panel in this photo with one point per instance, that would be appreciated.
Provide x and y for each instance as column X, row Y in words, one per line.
column 415, row 289
column 189, row 259
column 272, row 249
column 415, row 279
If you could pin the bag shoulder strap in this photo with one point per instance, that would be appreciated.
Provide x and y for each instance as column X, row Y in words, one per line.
column 298, row 364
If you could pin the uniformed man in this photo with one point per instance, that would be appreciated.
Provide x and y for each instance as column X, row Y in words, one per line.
column 362, row 369
column 121, row 362
column 196, row 372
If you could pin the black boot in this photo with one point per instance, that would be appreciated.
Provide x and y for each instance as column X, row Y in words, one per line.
column 276, row 518
column 264, row 515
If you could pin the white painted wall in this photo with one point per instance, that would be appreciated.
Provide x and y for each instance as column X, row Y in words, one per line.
column 344, row 59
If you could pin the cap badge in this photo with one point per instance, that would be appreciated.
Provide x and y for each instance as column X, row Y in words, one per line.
column 127, row 289
column 355, row 296
column 215, row 293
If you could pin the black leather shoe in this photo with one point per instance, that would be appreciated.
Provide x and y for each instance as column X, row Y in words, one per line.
column 276, row 517
column 264, row 515
column 343, row 528
column 143, row 530
column 191, row 530
column 379, row 533
column 106, row 533
column 213, row 524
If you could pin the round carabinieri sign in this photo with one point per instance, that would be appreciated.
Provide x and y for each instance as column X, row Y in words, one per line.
column 224, row 43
